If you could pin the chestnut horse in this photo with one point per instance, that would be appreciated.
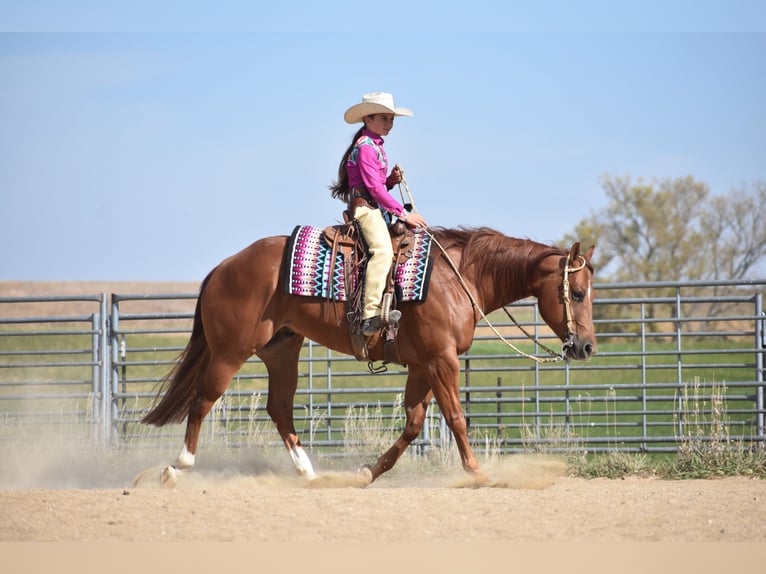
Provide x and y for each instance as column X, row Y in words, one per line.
column 243, row 309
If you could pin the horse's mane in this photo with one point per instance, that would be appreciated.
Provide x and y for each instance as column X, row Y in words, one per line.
column 490, row 251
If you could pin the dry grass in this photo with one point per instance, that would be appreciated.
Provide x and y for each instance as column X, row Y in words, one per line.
column 706, row 449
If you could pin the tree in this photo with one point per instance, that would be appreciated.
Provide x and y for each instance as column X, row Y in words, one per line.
column 674, row 229
column 737, row 232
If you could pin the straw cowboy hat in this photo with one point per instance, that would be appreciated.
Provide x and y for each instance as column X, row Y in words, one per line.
column 374, row 103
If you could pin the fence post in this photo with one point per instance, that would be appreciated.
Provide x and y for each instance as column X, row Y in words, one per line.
column 499, row 395
column 567, row 401
column 114, row 373
column 467, row 390
column 329, row 392
column 644, row 402
column 760, row 345
column 106, row 395
column 679, row 334
column 311, row 393
column 97, row 383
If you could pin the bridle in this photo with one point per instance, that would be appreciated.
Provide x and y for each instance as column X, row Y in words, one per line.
column 581, row 262
column 571, row 333
column 554, row 357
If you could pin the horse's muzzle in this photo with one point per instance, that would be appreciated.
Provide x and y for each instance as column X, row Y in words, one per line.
column 578, row 349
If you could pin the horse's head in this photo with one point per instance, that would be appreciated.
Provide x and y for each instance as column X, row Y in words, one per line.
column 565, row 298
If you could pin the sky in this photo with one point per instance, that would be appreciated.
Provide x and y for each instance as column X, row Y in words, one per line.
column 147, row 141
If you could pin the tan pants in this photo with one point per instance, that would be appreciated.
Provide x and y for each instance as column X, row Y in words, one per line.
column 381, row 254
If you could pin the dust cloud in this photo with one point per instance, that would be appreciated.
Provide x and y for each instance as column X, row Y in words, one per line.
column 77, row 462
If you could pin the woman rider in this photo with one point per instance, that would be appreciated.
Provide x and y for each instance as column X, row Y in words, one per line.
column 363, row 183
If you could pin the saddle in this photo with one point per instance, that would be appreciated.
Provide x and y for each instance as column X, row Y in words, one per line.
column 346, row 240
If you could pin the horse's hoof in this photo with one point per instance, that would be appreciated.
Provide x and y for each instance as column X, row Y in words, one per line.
column 477, row 479
column 147, row 478
column 481, row 479
column 169, row 478
column 365, row 474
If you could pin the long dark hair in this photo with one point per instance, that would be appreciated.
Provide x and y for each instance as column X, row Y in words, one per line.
column 340, row 189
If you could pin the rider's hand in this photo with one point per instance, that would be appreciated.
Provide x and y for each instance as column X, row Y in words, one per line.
column 394, row 178
column 416, row 220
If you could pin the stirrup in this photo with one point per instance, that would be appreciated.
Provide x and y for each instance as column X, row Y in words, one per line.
column 373, row 324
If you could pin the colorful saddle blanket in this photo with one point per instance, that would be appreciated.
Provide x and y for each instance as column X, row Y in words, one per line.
column 310, row 271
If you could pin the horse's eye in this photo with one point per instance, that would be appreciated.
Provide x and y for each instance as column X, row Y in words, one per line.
column 578, row 296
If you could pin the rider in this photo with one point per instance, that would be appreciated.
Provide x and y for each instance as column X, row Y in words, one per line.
column 364, row 185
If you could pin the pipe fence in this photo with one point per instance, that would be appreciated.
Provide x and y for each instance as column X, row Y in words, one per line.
column 676, row 362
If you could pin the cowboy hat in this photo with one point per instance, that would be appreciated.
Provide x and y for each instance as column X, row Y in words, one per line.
column 374, row 103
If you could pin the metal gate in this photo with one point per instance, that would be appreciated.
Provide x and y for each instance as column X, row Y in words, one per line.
column 672, row 357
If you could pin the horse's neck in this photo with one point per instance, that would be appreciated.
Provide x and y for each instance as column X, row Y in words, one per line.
column 499, row 283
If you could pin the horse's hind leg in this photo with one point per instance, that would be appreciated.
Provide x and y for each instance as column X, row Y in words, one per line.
column 216, row 378
column 280, row 356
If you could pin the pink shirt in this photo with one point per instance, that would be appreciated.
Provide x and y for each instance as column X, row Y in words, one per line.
column 367, row 166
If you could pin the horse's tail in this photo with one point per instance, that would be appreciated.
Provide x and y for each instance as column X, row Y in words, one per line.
column 180, row 383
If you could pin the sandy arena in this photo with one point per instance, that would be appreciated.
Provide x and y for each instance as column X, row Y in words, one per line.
column 414, row 515
column 255, row 497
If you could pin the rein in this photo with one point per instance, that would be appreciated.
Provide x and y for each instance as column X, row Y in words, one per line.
column 554, row 356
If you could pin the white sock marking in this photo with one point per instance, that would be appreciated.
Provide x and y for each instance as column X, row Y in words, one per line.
column 185, row 459
column 302, row 462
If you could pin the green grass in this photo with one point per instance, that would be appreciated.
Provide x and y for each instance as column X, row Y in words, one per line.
column 706, row 447
column 526, row 419
column 610, row 394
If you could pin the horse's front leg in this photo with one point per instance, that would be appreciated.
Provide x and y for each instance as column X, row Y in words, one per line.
column 445, row 384
column 417, row 395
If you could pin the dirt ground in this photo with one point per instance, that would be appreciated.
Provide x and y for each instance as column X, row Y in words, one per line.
column 258, row 499
column 411, row 517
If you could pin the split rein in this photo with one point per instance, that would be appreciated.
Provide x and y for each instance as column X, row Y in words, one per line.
column 554, row 356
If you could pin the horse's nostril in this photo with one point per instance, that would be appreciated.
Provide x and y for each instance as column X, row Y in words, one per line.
column 588, row 348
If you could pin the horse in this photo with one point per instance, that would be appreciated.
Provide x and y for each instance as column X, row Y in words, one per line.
column 243, row 309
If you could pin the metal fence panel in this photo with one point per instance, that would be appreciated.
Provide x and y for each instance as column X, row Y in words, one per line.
column 52, row 374
column 672, row 357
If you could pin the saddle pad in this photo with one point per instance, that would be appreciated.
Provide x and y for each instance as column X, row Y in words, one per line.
column 311, row 273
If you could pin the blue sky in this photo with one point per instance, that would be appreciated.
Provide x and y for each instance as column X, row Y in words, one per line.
column 148, row 141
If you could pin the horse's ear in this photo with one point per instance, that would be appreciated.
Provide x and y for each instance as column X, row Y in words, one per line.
column 574, row 252
column 589, row 253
